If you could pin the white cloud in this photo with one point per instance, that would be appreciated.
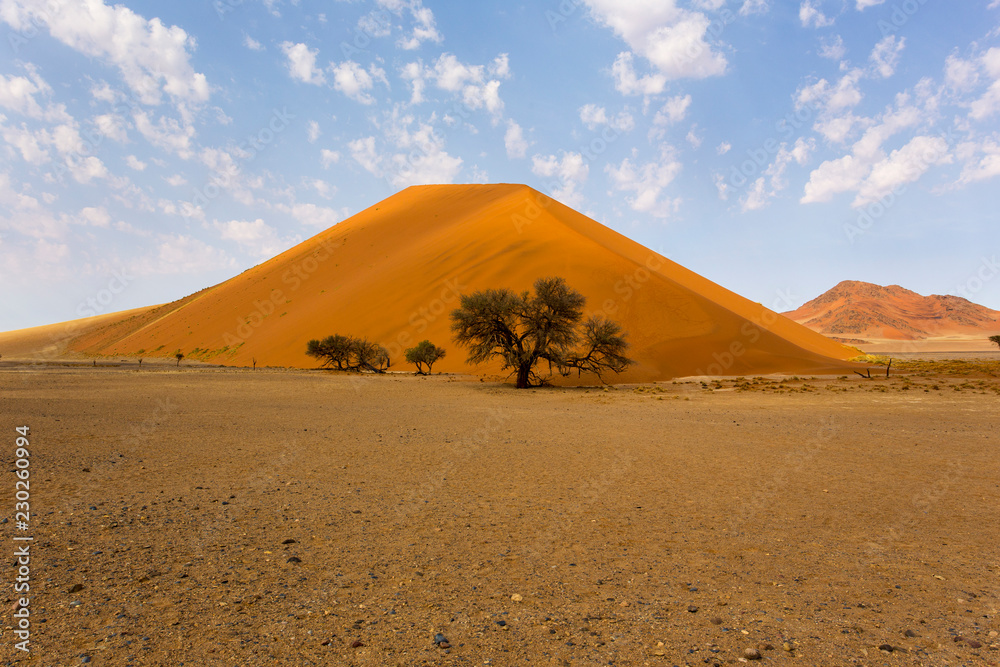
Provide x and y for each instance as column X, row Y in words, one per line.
column 253, row 236
column 424, row 25
column 329, row 157
column 961, row 75
column 594, row 116
column 176, row 180
column 364, row 153
column 982, row 160
column 414, row 157
column 26, row 142
column 313, row 131
column 902, row 166
column 312, row 215
column 111, row 126
column 469, row 82
column 647, row 181
column 354, row 81
column 849, row 172
column 672, row 38
column 86, row 169
column 721, row 186
column 693, row 138
column 324, row 189
column 135, row 163
column 723, row 148
column 885, row 55
column 500, row 67
column 627, row 82
column 166, row 133
column 989, row 103
column 180, row 254
column 810, row 15
column 833, row 49
column 514, row 141
column 865, row 4
column 17, row 94
column 252, row 43
column 772, row 181
column 754, row 7
column 302, row 63
column 95, row 216
column 152, row 58
column 673, row 111
column 567, row 174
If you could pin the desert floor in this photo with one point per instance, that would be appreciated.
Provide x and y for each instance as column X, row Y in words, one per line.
column 812, row 520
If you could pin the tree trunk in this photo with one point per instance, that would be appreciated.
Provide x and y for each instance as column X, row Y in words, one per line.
column 523, row 371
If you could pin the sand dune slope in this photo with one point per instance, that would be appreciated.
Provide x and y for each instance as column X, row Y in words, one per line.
column 394, row 272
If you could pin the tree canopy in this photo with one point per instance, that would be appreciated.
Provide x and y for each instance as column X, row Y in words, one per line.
column 424, row 354
column 523, row 329
column 345, row 353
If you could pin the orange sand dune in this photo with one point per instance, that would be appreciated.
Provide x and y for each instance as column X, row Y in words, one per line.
column 394, row 272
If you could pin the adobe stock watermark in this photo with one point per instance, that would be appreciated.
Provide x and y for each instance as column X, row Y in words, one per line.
column 988, row 269
column 750, row 333
column 99, row 302
column 874, row 211
column 629, row 284
column 562, row 13
column 900, row 16
column 38, row 18
column 248, row 149
column 293, row 277
column 365, row 31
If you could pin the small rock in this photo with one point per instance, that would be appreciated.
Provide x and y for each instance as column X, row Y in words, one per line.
column 993, row 633
column 294, row 559
column 752, row 654
column 502, row 623
column 973, row 643
column 357, row 644
column 438, row 638
column 84, row 658
column 289, row 541
column 86, row 470
column 910, row 633
column 786, row 647
column 885, row 647
column 444, row 645
column 76, row 588
column 75, row 603
column 92, row 507
column 516, row 597
column 693, row 609
column 766, row 646
column 716, row 621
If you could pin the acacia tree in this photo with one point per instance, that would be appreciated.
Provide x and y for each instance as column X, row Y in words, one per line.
column 179, row 356
column 996, row 339
column 425, row 353
column 524, row 329
column 349, row 354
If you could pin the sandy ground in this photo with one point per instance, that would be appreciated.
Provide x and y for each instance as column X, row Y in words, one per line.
column 225, row 517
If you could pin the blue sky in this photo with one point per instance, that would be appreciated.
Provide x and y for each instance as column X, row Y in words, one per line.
column 148, row 150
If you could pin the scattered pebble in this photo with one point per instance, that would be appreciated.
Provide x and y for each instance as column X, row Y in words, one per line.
column 516, row 597
column 766, row 646
column 716, row 621
column 76, row 588
column 885, row 647
column 910, row 633
column 357, row 644
column 294, row 559
column 693, row 609
column 973, row 643
column 786, row 647
column 289, row 541
column 75, row 603
column 752, row 654
column 438, row 638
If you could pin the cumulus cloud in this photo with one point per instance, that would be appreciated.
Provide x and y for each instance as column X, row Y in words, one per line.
column 255, row 237
column 982, row 160
column 673, row 111
column 566, row 173
column 833, row 49
column 152, row 58
column 647, row 182
column 354, row 81
column 773, row 181
column 594, row 116
column 328, row 157
column 673, row 39
column 135, row 163
column 166, row 133
column 885, row 55
column 477, row 86
column 811, row 15
column 414, row 155
column 252, row 43
column 902, row 166
column 514, row 141
column 424, row 25
column 754, row 7
column 301, row 61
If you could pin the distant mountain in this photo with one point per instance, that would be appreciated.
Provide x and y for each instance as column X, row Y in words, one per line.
column 855, row 309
